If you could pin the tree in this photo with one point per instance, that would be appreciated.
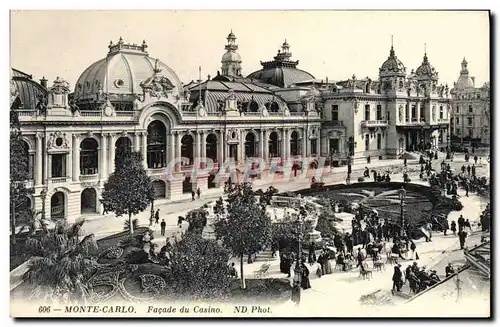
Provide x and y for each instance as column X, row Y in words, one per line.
column 129, row 189
column 243, row 224
column 199, row 267
column 18, row 176
column 197, row 220
column 61, row 264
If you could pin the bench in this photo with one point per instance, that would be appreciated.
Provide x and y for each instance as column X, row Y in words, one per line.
column 263, row 271
column 365, row 274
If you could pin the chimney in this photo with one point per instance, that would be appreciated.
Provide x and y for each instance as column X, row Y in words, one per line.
column 208, row 77
column 473, row 81
column 43, row 82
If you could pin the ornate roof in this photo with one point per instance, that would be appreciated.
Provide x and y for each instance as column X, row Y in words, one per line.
column 245, row 92
column 426, row 71
column 392, row 66
column 25, row 92
column 464, row 80
column 122, row 72
column 281, row 71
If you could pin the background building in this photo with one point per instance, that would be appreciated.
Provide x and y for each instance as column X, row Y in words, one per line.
column 386, row 117
column 470, row 117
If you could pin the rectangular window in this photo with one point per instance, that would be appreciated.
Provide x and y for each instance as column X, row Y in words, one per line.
column 469, row 121
column 470, row 109
column 471, row 131
column 367, row 112
column 407, row 115
column 441, row 112
column 313, row 146
column 413, row 112
column 388, row 116
column 379, row 141
column 379, row 112
column 457, row 120
column 479, row 96
column 58, row 165
column 367, row 142
column 457, row 131
column 335, row 112
column 458, row 109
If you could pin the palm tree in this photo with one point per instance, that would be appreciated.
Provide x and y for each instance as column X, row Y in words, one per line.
column 61, row 264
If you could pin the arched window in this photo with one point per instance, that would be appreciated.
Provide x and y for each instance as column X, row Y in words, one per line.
column 274, row 107
column 294, row 143
column 274, row 148
column 187, row 146
column 89, row 157
column 157, row 145
column 250, row 145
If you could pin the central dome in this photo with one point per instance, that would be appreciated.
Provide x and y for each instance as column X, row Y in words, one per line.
column 122, row 71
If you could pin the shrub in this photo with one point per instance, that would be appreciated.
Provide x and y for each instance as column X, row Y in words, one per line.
column 361, row 179
column 137, row 256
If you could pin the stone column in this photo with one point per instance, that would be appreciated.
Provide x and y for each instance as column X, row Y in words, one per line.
column 197, row 149
column 261, row 144
column 304, row 143
column 145, row 149
column 170, row 147
column 136, row 142
column 220, row 148
column 178, row 149
column 69, row 165
column 103, row 160
column 203, row 148
column 418, row 111
column 283, row 144
column 49, row 167
column 265, row 142
column 241, row 148
column 112, row 149
column 76, row 158
column 39, row 159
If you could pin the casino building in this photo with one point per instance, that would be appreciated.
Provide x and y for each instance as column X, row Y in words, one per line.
column 280, row 114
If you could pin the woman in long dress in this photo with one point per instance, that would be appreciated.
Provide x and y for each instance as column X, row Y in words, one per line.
column 328, row 263
column 304, row 283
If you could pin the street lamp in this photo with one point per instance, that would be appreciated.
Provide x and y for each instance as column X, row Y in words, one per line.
column 297, row 278
column 402, row 197
column 43, row 195
column 152, row 213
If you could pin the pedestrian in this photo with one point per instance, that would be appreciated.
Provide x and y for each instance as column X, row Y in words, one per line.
column 405, row 161
column 449, row 270
column 179, row 221
column 397, row 278
column 475, row 160
column 193, row 194
column 462, row 235
column 461, row 223
column 157, row 216
column 368, row 159
column 468, row 170
column 361, row 259
column 467, row 189
column 198, row 192
column 305, row 284
column 163, row 226
column 413, row 248
column 232, row 271
column 473, row 170
column 453, row 228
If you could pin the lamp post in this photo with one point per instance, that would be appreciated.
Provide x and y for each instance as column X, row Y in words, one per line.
column 297, row 278
column 14, row 195
column 402, row 197
column 350, row 158
column 152, row 213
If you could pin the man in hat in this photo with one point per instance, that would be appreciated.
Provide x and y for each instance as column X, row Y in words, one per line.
column 449, row 270
column 397, row 278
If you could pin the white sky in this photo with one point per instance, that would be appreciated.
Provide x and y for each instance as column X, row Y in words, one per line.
column 336, row 44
